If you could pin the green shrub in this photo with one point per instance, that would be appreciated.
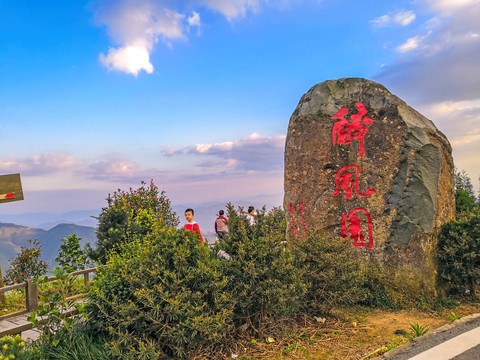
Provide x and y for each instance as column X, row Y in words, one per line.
column 162, row 296
column 13, row 347
column 27, row 264
column 49, row 316
column 261, row 272
column 71, row 257
column 120, row 221
column 465, row 199
column 459, row 254
column 330, row 272
column 82, row 346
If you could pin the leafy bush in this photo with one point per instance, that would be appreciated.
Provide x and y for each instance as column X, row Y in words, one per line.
column 164, row 296
column 13, row 347
column 53, row 306
column 82, row 346
column 261, row 273
column 119, row 221
column 330, row 272
column 459, row 254
column 27, row 264
column 465, row 200
column 71, row 257
column 417, row 330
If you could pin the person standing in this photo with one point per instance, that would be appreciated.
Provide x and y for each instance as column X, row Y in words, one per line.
column 192, row 225
column 221, row 225
column 251, row 215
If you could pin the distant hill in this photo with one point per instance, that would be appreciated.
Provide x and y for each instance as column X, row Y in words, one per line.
column 13, row 236
column 46, row 221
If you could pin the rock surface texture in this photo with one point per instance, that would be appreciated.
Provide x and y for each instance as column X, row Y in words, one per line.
column 368, row 169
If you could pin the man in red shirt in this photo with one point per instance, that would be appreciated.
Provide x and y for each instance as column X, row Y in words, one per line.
column 192, row 225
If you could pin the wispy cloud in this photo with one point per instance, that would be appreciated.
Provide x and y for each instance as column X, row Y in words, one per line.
column 409, row 45
column 445, row 66
column 449, row 7
column 112, row 168
column 136, row 26
column 253, row 153
column 402, row 17
column 232, row 8
column 39, row 164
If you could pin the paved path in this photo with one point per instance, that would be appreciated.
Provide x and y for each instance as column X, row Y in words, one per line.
column 457, row 341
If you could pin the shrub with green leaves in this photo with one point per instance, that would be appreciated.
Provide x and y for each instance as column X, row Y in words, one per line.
column 13, row 347
column 465, row 199
column 331, row 273
column 162, row 296
column 49, row 317
column 119, row 220
column 27, row 264
column 261, row 272
column 459, row 254
column 71, row 257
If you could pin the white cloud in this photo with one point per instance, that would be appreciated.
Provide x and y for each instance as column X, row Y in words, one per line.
column 129, row 59
column 409, row 45
column 136, row 26
column 444, row 65
column 447, row 7
column 381, row 20
column 43, row 164
column 232, row 8
column 402, row 17
column 194, row 19
column 253, row 153
column 112, row 168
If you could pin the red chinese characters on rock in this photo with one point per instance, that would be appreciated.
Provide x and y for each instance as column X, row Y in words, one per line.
column 343, row 179
column 303, row 223
column 353, row 223
column 347, row 178
column 344, row 131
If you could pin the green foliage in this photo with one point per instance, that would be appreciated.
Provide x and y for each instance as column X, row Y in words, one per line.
column 417, row 330
column 128, row 214
column 27, row 264
column 459, row 254
column 164, row 296
column 453, row 317
column 71, row 257
column 82, row 346
column 54, row 305
column 331, row 273
column 261, row 272
column 12, row 348
column 465, row 199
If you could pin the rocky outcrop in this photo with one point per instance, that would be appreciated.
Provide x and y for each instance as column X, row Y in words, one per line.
column 368, row 169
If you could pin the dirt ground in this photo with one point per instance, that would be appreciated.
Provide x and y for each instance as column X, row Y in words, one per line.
column 350, row 334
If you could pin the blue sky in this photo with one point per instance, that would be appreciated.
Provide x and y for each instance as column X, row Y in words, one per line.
column 97, row 95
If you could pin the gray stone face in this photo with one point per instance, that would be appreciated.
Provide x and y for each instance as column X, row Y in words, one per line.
column 390, row 168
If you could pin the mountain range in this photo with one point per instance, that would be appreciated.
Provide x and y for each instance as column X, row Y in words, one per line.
column 13, row 236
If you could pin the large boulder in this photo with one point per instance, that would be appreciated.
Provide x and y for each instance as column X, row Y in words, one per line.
column 369, row 169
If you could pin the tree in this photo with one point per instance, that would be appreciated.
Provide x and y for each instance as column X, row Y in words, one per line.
column 27, row 264
column 71, row 257
column 465, row 199
column 130, row 213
